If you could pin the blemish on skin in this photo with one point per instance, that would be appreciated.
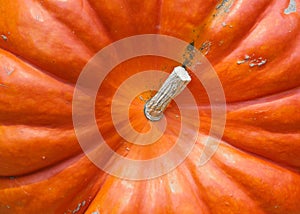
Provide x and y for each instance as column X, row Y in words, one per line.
column 218, row 6
column 252, row 61
column 229, row 158
column 44, row 157
column 4, row 37
column 23, row 189
column 39, row 18
column 2, row 85
column 205, row 47
column 141, row 98
column 77, row 208
column 257, row 62
column 251, row 65
column 262, row 62
column 247, row 57
column 224, row 24
column 189, row 54
column 239, row 62
column 291, row 8
column 221, row 4
column 37, row 15
column 224, row 6
column 9, row 69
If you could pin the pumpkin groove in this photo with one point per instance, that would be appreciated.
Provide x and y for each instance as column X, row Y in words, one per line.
column 252, row 45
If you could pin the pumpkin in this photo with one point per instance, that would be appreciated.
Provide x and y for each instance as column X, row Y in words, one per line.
column 254, row 47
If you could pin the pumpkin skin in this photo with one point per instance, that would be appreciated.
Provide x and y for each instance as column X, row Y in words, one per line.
column 45, row 45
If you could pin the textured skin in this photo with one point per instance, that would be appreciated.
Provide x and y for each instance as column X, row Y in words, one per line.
column 44, row 46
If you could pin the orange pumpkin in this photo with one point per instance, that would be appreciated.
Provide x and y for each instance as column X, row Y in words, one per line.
column 253, row 45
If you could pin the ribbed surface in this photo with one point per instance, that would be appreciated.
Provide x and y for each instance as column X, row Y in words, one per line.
column 252, row 44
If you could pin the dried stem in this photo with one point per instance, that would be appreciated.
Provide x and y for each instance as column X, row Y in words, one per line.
column 173, row 86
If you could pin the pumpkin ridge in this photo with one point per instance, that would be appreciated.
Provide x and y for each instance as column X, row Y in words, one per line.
column 253, row 46
column 230, row 197
column 286, row 154
column 110, row 35
column 281, row 112
column 260, row 179
column 19, row 89
column 19, row 141
column 159, row 16
column 211, row 23
column 42, row 174
column 266, row 98
column 129, row 17
column 239, row 104
column 274, row 75
column 62, row 195
column 26, row 63
column 31, row 35
column 87, row 13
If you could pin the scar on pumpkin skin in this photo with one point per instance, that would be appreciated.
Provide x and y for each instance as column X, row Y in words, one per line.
column 189, row 55
column 9, row 70
column 252, row 61
column 4, row 37
column 2, row 85
column 292, row 8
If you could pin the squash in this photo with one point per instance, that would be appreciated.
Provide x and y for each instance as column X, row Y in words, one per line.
column 254, row 47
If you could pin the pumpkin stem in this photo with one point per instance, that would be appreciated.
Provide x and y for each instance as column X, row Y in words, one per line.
column 174, row 85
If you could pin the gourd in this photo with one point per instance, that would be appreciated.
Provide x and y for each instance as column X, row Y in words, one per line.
column 253, row 47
